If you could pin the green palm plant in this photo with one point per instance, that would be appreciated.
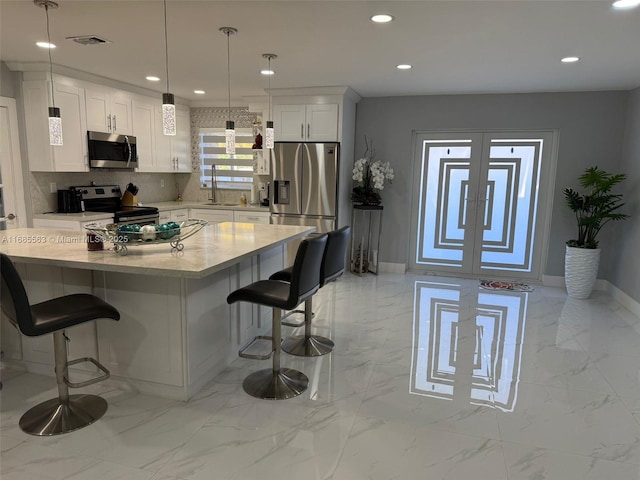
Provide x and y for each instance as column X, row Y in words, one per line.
column 596, row 207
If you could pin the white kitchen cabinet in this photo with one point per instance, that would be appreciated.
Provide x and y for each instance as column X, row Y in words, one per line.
column 307, row 123
column 108, row 110
column 71, row 156
column 251, row 217
column 144, row 131
column 210, row 215
column 71, row 225
column 173, row 153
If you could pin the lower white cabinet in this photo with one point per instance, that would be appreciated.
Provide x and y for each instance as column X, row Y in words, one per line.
column 211, row 216
column 68, row 225
column 177, row 216
column 251, row 217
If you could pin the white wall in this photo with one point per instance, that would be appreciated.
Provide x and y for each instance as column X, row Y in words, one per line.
column 591, row 127
column 625, row 271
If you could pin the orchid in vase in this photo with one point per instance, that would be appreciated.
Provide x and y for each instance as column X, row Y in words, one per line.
column 369, row 176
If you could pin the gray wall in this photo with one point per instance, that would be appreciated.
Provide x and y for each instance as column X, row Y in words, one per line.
column 626, row 258
column 7, row 82
column 591, row 128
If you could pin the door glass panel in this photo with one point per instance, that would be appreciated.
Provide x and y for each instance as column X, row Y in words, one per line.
column 510, row 204
column 444, row 194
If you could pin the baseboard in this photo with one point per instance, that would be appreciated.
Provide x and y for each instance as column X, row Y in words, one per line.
column 623, row 299
column 558, row 281
column 386, row 267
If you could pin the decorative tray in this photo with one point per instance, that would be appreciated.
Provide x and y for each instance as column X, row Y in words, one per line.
column 125, row 236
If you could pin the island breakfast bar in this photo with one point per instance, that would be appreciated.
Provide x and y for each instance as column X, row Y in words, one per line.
column 176, row 330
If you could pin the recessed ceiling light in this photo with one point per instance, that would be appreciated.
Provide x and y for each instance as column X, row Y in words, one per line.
column 45, row 45
column 151, row 78
column 381, row 18
column 403, row 66
column 570, row 59
column 199, row 92
column 625, row 4
column 267, row 72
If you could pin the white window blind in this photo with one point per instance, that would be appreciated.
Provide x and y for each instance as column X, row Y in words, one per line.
column 228, row 171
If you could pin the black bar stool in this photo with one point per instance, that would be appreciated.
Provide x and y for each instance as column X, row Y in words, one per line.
column 332, row 267
column 65, row 413
column 280, row 383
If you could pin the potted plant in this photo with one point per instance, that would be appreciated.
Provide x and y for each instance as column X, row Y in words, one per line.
column 593, row 209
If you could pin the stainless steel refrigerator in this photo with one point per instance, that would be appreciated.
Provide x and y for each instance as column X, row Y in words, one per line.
column 304, row 186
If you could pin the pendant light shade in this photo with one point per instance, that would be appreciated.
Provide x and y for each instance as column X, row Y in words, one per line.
column 55, row 127
column 230, row 132
column 168, row 104
column 269, row 133
column 55, row 122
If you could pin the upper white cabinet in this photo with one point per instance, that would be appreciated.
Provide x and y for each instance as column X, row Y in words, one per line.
column 144, row 131
column 158, row 152
column 173, row 152
column 308, row 123
column 109, row 111
column 72, row 155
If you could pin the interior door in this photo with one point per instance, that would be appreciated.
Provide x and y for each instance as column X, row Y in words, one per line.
column 12, row 205
column 482, row 203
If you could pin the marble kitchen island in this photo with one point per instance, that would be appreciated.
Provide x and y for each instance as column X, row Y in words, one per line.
column 176, row 330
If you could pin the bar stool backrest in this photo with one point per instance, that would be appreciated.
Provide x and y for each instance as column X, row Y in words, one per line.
column 334, row 255
column 305, row 273
column 15, row 303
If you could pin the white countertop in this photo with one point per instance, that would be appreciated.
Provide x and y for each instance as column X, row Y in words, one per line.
column 214, row 248
column 76, row 217
column 177, row 205
column 162, row 206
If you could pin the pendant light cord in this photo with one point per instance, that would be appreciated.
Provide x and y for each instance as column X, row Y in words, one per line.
column 166, row 44
column 229, row 75
column 270, row 87
column 53, row 97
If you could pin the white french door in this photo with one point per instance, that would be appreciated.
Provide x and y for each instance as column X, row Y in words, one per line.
column 481, row 203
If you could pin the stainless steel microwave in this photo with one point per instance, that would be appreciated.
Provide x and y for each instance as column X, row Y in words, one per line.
column 109, row 150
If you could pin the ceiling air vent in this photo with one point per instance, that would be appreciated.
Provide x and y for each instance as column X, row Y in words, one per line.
column 89, row 40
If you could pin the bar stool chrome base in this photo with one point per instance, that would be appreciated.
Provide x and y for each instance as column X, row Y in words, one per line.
column 312, row 346
column 269, row 385
column 54, row 417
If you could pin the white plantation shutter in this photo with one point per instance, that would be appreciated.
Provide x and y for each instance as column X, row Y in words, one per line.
column 231, row 171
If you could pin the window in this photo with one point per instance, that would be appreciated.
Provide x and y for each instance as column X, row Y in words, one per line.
column 228, row 171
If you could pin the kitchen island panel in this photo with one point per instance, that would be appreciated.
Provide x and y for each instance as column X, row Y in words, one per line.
column 147, row 343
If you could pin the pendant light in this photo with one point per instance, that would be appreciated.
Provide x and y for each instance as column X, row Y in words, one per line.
column 230, row 132
column 168, row 104
column 55, row 122
column 269, row 133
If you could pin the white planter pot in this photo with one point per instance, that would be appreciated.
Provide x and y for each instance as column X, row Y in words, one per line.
column 581, row 270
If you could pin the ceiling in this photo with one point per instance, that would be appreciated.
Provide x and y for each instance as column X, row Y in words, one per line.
column 454, row 46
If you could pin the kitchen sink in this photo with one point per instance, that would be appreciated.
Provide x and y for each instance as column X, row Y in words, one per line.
column 222, row 204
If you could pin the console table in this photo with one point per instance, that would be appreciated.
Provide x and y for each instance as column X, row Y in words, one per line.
column 366, row 225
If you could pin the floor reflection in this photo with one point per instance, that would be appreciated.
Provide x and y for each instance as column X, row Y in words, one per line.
column 467, row 344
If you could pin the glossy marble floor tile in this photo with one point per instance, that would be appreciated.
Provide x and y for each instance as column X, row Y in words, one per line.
column 431, row 377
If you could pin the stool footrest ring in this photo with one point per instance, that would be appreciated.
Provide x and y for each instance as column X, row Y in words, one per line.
column 294, row 324
column 105, row 373
column 250, row 343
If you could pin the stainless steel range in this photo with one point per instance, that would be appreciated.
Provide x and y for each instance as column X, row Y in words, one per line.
column 106, row 198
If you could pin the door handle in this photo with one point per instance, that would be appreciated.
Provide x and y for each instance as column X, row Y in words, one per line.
column 302, row 131
column 115, row 128
column 109, row 122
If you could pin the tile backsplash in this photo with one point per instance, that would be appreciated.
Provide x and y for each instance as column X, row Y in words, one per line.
column 43, row 201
